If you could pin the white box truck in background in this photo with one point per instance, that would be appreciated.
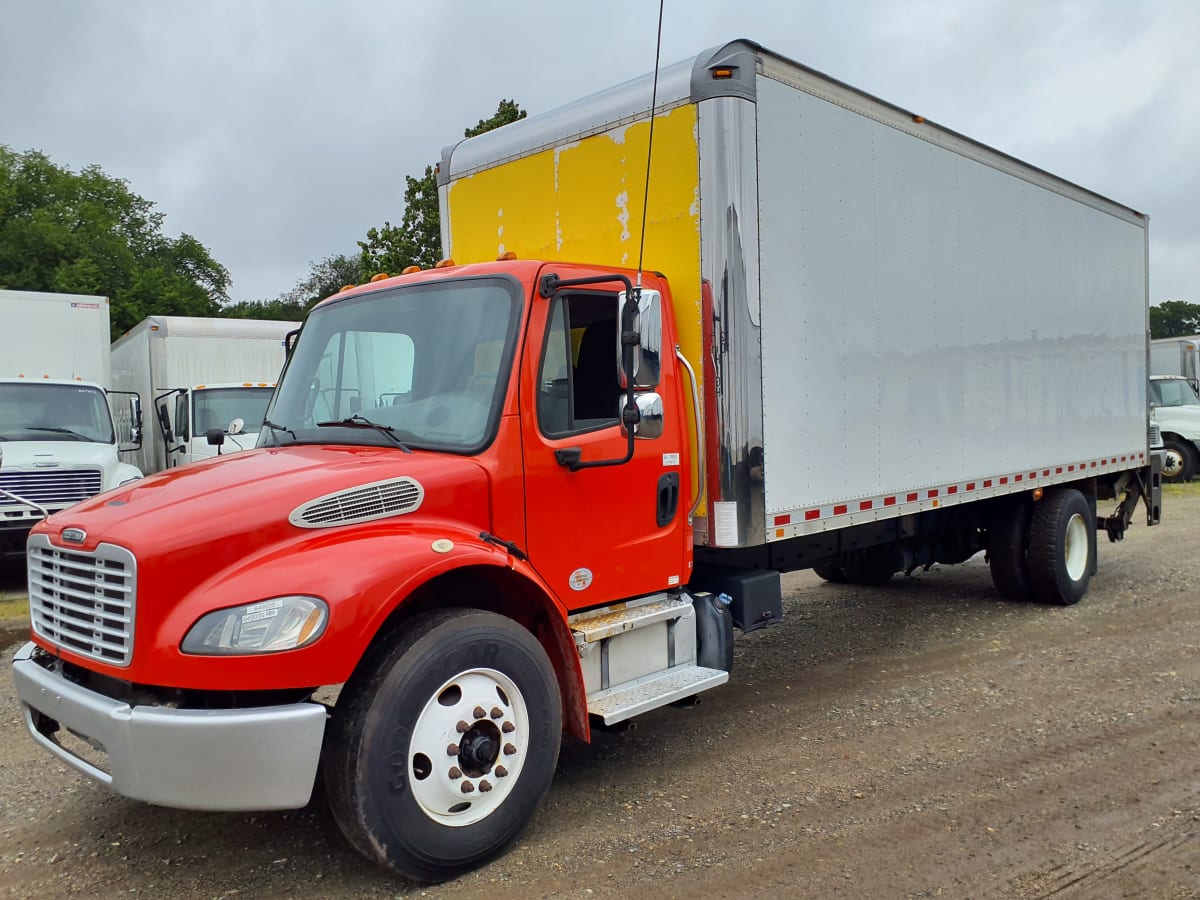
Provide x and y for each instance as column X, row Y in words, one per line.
column 57, row 433
column 1177, row 356
column 197, row 375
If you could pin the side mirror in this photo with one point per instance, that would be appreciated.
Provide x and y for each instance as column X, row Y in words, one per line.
column 289, row 342
column 646, row 324
column 135, row 418
column 236, row 426
column 216, row 438
column 650, row 416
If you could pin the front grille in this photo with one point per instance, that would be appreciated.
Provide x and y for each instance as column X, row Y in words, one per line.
column 57, row 487
column 378, row 500
column 83, row 601
column 1156, row 440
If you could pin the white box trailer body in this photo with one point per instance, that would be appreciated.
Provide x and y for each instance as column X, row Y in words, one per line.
column 198, row 374
column 888, row 317
column 59, row 441
column 1177, row 356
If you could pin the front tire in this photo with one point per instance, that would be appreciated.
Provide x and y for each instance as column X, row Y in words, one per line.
column 1179, row 461
column 1062, row 546
column 444, row 744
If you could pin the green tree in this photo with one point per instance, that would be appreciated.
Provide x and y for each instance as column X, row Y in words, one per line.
column 417, row 239
column 325, row 277
column 87, row 233
column 1174, row 318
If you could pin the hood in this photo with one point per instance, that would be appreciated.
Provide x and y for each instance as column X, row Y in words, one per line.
column 1179, row 418
column 37, row 456
column 211, row 513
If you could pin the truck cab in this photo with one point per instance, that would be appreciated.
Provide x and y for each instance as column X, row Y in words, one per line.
column 59, row 447
column 1177, row 412
column 186, row 416
column 490, row 460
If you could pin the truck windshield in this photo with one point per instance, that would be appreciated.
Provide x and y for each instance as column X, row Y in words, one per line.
column 429, row 361
column 1173, row 392
column 54, row 412
column 217, row 407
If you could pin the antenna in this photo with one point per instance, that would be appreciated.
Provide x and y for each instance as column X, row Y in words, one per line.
column 649, row 148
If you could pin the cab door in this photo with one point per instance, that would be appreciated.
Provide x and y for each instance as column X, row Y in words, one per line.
column 598, row 535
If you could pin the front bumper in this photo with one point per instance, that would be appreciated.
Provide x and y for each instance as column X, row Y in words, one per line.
column 231, row 759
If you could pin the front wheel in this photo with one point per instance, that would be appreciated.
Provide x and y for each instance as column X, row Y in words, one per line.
column 1179, row 461
column 1062, row 544
column 444, row 745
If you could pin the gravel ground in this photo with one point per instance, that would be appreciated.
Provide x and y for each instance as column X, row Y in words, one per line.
column 921, row 739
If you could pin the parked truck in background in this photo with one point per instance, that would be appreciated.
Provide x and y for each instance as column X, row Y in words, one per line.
column 1177, row 356
column 197, row 375
column 56, row 426
column 509, row 497
column 1177, row 413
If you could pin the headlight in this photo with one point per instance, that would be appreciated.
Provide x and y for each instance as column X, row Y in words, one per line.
column 283, row 623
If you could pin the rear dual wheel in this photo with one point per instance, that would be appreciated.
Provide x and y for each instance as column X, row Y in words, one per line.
column 444, row 744
column 1044, row 551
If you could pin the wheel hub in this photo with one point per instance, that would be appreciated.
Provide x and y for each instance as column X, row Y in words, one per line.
column 479, row 749
column 468, row 747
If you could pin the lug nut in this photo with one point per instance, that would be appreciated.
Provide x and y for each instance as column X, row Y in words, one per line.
column 462, row 727
column 455, row 772
column 509, row 749
column 484, row 787
column 452, row 750
column 467, row 787
column 478, row 712
column 501, row 771
column 508, row 727
column 497, row 713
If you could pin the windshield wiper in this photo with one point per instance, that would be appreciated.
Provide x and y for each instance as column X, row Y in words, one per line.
column 277, row 428
column 357, row 421
column 57, row 430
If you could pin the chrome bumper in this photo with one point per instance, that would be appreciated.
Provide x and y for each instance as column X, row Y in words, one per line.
column 227, row 759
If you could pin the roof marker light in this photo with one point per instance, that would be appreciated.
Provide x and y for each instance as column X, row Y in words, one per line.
column 506, row 255
column 444, row 263
column 379, row 276
column 408, row 270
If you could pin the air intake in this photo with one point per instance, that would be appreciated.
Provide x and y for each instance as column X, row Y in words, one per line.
column 378, row 500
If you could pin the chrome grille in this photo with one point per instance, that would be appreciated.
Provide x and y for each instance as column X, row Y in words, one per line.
column 1156, row 440
column 378, row 500
column 52, row 487
column 83, row 601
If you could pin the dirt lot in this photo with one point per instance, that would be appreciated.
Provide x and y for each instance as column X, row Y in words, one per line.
column 921, row 739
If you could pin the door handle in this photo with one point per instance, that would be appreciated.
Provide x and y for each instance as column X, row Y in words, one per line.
column 668, row 498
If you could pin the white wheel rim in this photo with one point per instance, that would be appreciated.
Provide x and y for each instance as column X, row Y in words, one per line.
column 1075, row 547
column 1172, row 463
column 461, row 788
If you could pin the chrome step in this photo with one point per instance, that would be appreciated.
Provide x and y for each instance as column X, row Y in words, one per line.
column 636, row 697
column 596, row 626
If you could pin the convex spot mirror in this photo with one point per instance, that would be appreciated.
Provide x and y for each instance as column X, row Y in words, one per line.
column 647, row 325
column 650, row 416
column 236, row 426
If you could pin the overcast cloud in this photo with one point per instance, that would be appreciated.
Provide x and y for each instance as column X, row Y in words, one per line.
column 278, row 132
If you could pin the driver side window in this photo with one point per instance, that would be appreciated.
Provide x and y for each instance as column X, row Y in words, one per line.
column 578, row 387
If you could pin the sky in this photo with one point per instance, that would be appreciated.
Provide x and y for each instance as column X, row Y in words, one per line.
column 278, row 131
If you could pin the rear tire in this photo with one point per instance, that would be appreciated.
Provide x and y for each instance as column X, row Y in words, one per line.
column 453, row 680
column 873, row 567
column 830, row 573
column 1179, row 461
column 1062, row 541
column 1008, row 539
